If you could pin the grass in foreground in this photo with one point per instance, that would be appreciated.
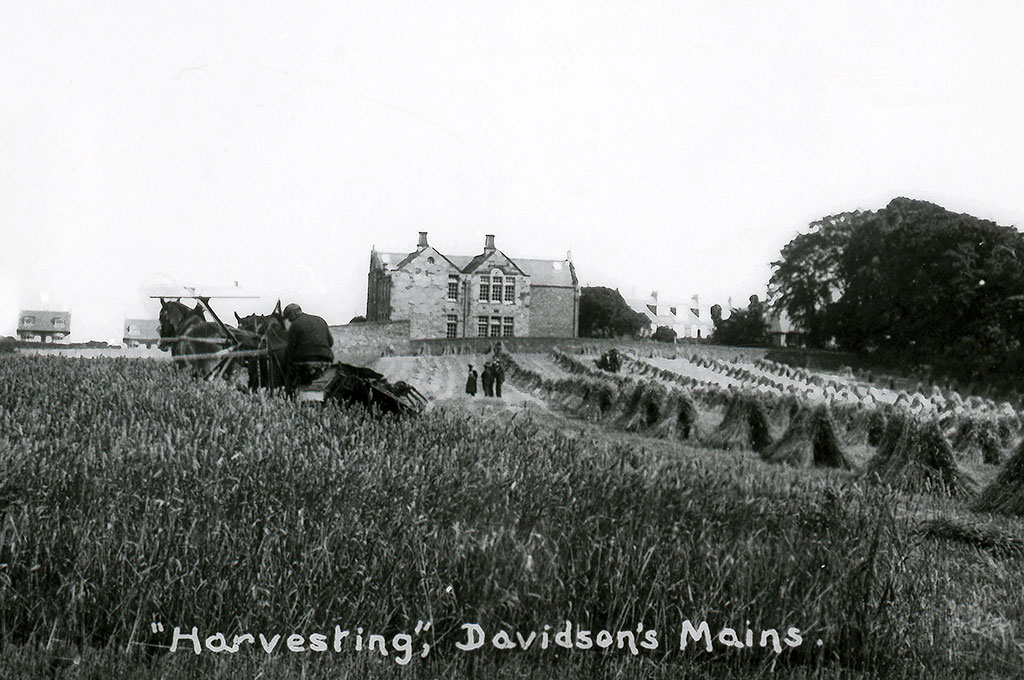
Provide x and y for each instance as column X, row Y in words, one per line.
column 132, row 495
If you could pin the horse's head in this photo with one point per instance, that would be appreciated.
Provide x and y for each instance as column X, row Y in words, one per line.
column 260, row 324
column 174, row 316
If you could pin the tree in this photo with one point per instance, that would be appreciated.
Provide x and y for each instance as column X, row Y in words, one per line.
column 807, row 280
column 926, row 285
column 912, row 284
column 743, row 327
column 603, row 313
column 664, row 334
column 358, row 319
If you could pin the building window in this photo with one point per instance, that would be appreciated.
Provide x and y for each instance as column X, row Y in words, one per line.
column 485, row 288
column 496, row 289
column 672, row 311
column 430, row 260
column 452, row 326
column 28, row 320
column 508, row 329
column 481, row 326
column 58, row 322
column 495, row 326
column 453, row 286
column 510, row 290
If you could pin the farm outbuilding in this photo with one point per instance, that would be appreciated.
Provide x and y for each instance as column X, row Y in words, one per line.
column 783, row 331
column 43, row 325
column 141, row 332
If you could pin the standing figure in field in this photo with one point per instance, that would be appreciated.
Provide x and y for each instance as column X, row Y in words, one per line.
column 309, row 351
column 499, row 377
column 471, row 382
column 488, row 379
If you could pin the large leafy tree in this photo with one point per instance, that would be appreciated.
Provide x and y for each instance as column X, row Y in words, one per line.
column 924, row 284
column 604, row 313
column 806, row 279
column 912, row 282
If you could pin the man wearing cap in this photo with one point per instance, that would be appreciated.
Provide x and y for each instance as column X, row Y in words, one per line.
column 309, row 346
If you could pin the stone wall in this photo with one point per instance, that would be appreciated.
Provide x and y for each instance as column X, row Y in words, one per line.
column 371, row 337
column 553, row 312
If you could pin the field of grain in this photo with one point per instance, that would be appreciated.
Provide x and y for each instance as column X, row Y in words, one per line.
column 133, row 495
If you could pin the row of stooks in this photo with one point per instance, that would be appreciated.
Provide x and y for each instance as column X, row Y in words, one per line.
column 913, row 451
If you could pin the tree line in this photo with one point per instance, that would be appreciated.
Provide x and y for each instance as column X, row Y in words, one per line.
column 910, row 285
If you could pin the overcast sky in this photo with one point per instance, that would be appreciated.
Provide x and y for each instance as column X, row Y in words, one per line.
column 671, row 145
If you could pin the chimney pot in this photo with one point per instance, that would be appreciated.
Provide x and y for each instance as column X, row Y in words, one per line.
column 423, row 241
column 488, row 242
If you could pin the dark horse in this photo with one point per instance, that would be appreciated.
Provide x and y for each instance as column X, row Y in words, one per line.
column 265, row 333
column 183, row 323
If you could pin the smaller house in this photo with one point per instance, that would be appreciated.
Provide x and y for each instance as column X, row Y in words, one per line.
column 687, row 318
column 783, row 331
column 43, row 326
column 141, row 332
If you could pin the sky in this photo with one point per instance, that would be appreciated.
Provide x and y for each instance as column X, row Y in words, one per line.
column 672, row 146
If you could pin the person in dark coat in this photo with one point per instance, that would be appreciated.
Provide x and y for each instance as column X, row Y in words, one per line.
column 488, row 379
column 471, row 382
column 309, row 346
column 499, row 377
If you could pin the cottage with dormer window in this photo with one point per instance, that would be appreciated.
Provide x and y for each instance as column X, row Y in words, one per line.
column 44, row 326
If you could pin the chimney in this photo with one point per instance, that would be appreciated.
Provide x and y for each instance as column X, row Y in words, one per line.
column 568, row 256
column 423, row 241
column 489, row 243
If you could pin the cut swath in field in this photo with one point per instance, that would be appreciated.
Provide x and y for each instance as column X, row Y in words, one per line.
column 914, row 456
column 977, row 438
column 810, row 440
column 1006, row 494
column 744, row 427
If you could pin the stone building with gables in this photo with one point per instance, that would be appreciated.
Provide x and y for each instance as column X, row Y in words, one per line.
column 484, row 295
column 43, row 326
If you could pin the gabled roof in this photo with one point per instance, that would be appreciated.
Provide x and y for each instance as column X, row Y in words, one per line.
column 394, row 261
column 43, row 320
column 480, row 259
column 549, row 272
column 554, row 273
column 390, row 260
column 684, row 313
